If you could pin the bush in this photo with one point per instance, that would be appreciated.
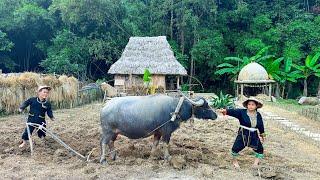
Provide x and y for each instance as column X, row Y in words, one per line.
column 222, row 101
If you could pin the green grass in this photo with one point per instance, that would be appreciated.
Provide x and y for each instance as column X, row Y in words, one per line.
column 288, row 104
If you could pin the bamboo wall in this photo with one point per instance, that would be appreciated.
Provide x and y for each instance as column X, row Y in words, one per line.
column 133, row 84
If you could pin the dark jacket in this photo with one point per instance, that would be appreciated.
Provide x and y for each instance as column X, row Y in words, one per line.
column 242, row 116
column 38, row 109
column 250, row 139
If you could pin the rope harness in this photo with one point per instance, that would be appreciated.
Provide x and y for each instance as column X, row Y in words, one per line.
column 251, row 130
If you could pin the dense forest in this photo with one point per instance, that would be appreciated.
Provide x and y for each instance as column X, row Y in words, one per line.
column 84, row 37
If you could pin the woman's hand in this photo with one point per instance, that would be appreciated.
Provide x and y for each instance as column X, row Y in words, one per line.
column 222, row 111
column 262, row 138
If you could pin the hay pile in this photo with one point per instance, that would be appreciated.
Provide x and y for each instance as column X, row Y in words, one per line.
column 263, row 97
column 109, row 90
column 16, row 88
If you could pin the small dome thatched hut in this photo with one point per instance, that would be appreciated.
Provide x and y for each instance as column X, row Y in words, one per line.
column 254, row 75
column 152, row 53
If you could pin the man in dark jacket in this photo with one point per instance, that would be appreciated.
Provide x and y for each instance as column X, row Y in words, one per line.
column 251, row 131
column 39, row 106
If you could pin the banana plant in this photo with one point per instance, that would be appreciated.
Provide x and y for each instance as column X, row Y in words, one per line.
column 287, row 74
column 281, row 74
column 233, row 65
column 272, row 67
column 147, row 79
column 311, row 67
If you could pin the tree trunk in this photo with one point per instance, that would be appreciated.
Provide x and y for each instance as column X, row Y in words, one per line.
column 277, row 91
column 319, row 89
column 305, row 87
column 171, row 21
column 289, row 90
column 191, row 73
column 182, row 40
column 283, row 88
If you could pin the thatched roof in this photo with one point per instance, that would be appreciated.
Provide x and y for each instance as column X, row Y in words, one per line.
column 153, row 53
column 253, row 73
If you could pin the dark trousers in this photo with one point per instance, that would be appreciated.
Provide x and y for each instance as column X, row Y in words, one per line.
column 31, row 128
column 241, row 142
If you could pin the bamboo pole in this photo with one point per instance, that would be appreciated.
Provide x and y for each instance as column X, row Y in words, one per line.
column 30, row 138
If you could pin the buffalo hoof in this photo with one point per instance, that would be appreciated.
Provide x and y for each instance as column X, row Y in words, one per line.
column 103, row 161
column 167, row 158
column 114, row 157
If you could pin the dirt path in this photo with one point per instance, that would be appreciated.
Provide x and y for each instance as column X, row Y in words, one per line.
column 200, row 153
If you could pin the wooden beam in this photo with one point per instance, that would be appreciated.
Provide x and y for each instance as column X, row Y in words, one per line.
column 178, row 82
column 241, row 95
column 270, row 89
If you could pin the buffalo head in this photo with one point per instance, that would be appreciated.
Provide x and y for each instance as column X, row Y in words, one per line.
column 201, row 109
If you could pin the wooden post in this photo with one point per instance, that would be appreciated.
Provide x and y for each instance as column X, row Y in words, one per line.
column 237, row 90
column 241, row 95
column 30, row 139
column 178, row 85
column 130, row 80
column 270, row 89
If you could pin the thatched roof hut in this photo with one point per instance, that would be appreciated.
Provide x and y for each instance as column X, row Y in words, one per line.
column 152, row 53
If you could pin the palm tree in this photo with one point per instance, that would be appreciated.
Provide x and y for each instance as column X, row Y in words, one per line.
column 310, row 68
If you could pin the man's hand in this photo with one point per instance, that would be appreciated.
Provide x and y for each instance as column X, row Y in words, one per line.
column 20, row 110
column 53, row 119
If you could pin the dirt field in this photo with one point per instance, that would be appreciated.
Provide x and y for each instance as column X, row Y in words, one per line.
column 199, row 153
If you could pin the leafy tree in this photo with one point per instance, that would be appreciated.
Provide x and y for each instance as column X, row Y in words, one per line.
column 5, row 46
column 68, row 55
column 207, row 54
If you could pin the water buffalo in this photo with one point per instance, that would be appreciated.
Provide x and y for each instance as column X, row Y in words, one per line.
column 137, row 116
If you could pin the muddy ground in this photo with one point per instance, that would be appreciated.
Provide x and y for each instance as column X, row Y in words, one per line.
column 201, row 152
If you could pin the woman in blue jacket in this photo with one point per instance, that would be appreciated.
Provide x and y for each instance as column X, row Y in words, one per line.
column 251, row 131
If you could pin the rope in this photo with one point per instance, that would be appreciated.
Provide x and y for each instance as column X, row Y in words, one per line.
column 249, row 136
column 174, row 116
column 45, row 130
column 56, row 138
column 140, row 138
